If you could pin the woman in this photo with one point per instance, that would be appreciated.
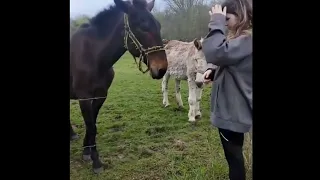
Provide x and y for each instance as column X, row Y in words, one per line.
column 231, row 101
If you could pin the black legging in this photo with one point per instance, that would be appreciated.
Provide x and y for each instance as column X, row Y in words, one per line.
column 232, row 143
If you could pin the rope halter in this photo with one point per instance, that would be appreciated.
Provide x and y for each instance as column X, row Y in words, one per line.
column 143, row 52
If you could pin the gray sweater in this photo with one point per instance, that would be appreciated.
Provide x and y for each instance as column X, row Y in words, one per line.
column 231, row 97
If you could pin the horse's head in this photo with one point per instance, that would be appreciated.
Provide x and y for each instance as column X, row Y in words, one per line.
column 200, row 62
column 143, row 35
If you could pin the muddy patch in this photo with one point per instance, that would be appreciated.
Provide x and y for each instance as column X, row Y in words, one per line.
column 179, row 144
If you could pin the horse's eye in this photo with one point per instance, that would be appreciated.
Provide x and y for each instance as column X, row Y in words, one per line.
column 144, row 26
column 228, row 18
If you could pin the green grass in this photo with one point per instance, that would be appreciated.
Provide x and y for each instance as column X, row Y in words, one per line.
column 140, row 139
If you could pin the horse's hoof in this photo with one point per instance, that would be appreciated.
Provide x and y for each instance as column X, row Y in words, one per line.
column 74, row 137
column 98, row 170
column 166, row 105
column 86, row 157
column 198, row 117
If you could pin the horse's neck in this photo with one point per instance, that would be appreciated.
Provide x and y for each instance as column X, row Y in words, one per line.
column 114, row 48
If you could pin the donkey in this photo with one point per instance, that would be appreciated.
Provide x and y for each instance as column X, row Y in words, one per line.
column 186, row 61
column 94, row 49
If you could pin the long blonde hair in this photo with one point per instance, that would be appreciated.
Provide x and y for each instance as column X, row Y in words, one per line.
column 232, row 35
column 243, row 10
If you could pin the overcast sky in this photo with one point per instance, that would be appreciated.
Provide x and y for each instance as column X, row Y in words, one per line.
column 91, row 7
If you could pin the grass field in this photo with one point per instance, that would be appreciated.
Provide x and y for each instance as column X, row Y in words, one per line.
column 140, row 139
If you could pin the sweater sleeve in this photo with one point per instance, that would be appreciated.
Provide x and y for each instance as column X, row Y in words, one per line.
column 221, row 52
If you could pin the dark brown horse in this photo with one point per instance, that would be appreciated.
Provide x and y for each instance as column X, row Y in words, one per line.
column 95, row 47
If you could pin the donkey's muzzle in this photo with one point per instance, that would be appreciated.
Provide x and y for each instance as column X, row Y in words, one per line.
column 199, row 80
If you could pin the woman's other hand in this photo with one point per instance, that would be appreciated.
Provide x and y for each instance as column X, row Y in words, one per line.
column 206, row 76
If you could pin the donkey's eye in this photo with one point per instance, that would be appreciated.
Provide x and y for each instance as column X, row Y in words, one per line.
column 227, row 18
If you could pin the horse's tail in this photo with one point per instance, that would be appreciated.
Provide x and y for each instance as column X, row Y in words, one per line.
column 72, row 93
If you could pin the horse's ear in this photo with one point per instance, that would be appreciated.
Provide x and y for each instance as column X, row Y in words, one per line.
column 125, row 6
column 150, row 5
column 197, row 43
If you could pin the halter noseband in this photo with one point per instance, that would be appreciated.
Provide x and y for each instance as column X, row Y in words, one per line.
column 143, row 52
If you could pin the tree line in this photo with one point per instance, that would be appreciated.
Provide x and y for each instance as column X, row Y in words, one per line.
column 180, row 19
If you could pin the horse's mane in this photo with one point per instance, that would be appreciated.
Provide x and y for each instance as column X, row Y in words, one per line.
column 105, row 20
column 107, row 15
column 104, row 16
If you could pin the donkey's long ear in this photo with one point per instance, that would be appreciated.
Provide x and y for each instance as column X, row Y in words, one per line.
column 125, row 6
column 197, row 44
column 150, row 5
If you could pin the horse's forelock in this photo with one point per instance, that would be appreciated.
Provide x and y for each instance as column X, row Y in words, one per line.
column 140, row 3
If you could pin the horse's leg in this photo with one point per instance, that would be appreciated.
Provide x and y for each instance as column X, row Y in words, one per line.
column 192, row 99
column 164, row 86
column 101, row 91
column 96, row 105
column 178, row 94
column 73, row 135
column 89, row 141
column 198, row 98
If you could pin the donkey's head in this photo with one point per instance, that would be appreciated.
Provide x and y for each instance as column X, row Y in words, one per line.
column 200, row 62
column 143, row 35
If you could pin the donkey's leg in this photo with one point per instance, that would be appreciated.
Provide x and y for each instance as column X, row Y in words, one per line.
column 89, row 141
column 164, row 87
column 192, row 99
column 73, row 135
column 198, row 94
column 178, row 94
